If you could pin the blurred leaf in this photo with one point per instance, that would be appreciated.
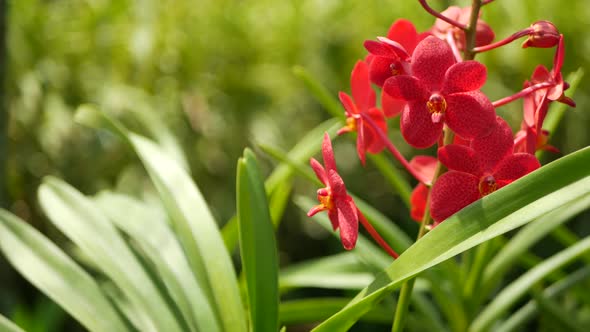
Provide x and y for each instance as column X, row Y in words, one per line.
column 190, row 218
column 394, row 176
column 57, row 275
column 524, row 200
column 564, row 318
column 322, row 95
column 515, row 290
column 92, row 232
column 257, row 246
column 528, row 311
column 340, row 271
column 196, row 229
column 527, row 237
column 164, row 251
column 8, row 326
column 317, row 309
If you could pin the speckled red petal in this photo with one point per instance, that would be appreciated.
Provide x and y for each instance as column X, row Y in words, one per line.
column 464, row 76
column 391, row 107
column 452, row 192
column 319, row 170
column 362, row 93
column 417, row 127
column 460, row 158
column 418, row 202
column 430, row 61
column 404, row 32
column 470, row 114
column 380, row 70
column 348, row 222
column 348, row 103
column 405, row 87
column 494, row 147
column 328, row 154
column 424, row 166
column 373, row 141
column 516, row 166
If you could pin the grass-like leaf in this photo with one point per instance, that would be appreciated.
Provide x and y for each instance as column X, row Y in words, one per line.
column 92, row 232
column 523, row 201
column 55, row 274
column 164, row 252
column 257, row 246
column 8, row 326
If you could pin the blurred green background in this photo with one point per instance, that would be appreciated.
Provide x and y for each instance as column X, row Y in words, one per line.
column 218, row 73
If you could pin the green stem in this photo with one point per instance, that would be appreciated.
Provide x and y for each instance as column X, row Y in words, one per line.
column 406, row 291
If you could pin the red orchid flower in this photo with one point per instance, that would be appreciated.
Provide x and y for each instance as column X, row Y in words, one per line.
column 341, row 208
column 476, row 171
column 424, row 165
column 441, row 91
column 362, row 103
column 532, row 136
column 483, row 35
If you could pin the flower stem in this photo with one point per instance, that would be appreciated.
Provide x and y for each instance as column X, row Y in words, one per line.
column 406, row 291
column 505, row 41
column 375, row 235
column 522, row 93
column 441, row 16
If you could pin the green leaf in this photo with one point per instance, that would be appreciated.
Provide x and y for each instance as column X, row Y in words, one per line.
column 197, row 230
column 164, row 251
column 527, row 237
column 190, row 218
column 322, row 95
column 318, row 309
column 515, row 290
column 340, row 271
column 8, row 326
column 91, row 231
column 301, row 152
column 565, row 319
column 55, row 274
column 528, row 311
column 257, row 246
column 542, row 191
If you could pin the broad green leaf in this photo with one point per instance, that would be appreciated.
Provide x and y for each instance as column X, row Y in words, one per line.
column 92, row 232
column 527, row 237
column 528, row 311
column 197, row 230
column 340, row 271
column 528, row 198
column 257, row 246
column 164, row 251
column 515, row 290
column 57, row 275
column 8, row 326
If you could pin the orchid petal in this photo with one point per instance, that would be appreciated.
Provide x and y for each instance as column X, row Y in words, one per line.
column 380, row 49
column 516, row 166
column 470, row 114
column 348, row 103
column 404, row 32
column 362, row 93
column 460, row 158
column 417, row 127
column 348, row 222
column 319, row 170
column 405, row 87
column 328, row 154
column 418, row 201
column 391, row 106
column 494, row 147
column 334, row 219
column 464, row 76
column 452, row 192
column 425, row 167
column 373, row 141
column 430, row 61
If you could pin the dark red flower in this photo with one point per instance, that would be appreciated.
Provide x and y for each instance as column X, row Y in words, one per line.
column 362, row 102
column 389, row 56
column 483, row 35
column 341, row 208
column 441, row 91
column 476, row 171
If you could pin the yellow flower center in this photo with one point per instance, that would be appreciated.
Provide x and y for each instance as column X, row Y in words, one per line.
column 437, row 106
column 325, row 198
column 351, row 123
column 487, row 185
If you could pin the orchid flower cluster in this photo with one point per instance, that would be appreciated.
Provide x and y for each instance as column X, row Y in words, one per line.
column 432, row 83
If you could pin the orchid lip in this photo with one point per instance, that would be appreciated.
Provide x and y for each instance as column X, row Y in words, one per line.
column 437, row 106
column 487, row 185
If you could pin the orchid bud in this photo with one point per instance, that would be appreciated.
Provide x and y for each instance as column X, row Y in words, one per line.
column 544, row 35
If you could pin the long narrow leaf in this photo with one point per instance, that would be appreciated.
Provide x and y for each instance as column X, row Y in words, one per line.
column 521, row 202
column 55, row 274
column 165, row 253
column 257, row 246
column 513, row 292
column 8, row 326
column 84, row 224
